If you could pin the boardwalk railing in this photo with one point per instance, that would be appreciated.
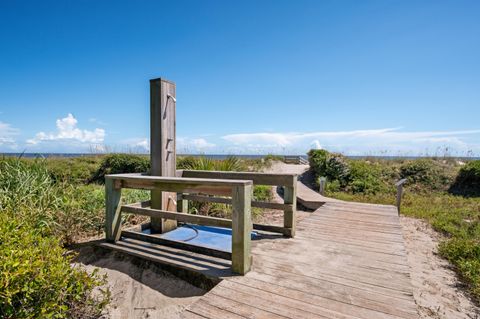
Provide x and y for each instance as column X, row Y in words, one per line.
column 399, row 186
column 294, row 159
column 239, row 190
column 287, row 181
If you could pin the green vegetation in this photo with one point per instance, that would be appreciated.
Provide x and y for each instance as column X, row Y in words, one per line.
column 37, row 279
column 440, row 191
column 467, row 181
column 121, row 163
column 202, row 163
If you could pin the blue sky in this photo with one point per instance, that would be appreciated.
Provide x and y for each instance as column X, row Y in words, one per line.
column 359, row 77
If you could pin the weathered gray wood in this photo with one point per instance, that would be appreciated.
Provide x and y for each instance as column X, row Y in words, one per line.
column 195, row 268
column 257, row 178
column 178, row 244
column 289, row 213
column 177, row 184
column 325, row 275
column 241, row 229
column 228, row 201
column 274, row 229
column 182, row 204
column 112, row 207
column 162, row 147
column 399, row 185
column 291, row 159
column 322, row 182
column 187, row 218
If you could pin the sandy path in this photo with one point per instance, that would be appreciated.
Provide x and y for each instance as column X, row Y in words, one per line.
column 435, row 285
column 139, row 289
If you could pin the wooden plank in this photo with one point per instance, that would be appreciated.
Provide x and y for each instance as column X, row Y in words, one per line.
column 178, row 244
column 197, row 268
column 182, row 204
column 190, row 315
column 328, row 300
column 262, row 302
column 338, row 256
column 187, row 218
column 226, row 302
column 392, row 281
column 289, row 213
column 241, row 229
column 112, row 210
column 341, row 302
column 228, row 201
column 324, row 298
column 274, row 229
column 295, row 300
column 257, row 178
column 177, row 184
column 210, row 311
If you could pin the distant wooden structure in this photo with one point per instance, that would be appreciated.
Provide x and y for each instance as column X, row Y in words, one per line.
column 171, row 190
column 295, row 159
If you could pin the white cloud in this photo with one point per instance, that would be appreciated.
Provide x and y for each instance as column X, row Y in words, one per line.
column 137, row 145
column 7, row 135
column 184, row 145
column 285, row 139
column 67, row 131
column 193, row 145
column 355, row 141
column 316, row 145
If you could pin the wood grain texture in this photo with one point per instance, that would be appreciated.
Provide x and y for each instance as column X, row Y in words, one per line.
column 241, row 229
column 112, row 214
column 257, row 178
column 347, row 261
column 162, row 147
column 187, row 218
column 289, row 213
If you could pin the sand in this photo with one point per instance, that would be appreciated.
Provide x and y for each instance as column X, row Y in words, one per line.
column 139, row 289
column 436, row 289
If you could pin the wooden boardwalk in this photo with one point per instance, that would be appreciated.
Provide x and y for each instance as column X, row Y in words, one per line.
column 347, row 261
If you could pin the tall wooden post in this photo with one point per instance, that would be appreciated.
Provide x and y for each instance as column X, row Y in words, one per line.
column 241, row 229
column 162, row 148
column 289, row 213
column 113, row 218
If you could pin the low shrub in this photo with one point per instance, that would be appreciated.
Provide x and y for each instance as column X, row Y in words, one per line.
column 365, row 177
column 332, row 166
column 426, row 174
column 338, row 169
column 262, row 193
column 37, row 278
column 203, row 163
column 464, row 253
column 73, row 170
column 318, row 161
column 121, row 163
column 467, row 182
